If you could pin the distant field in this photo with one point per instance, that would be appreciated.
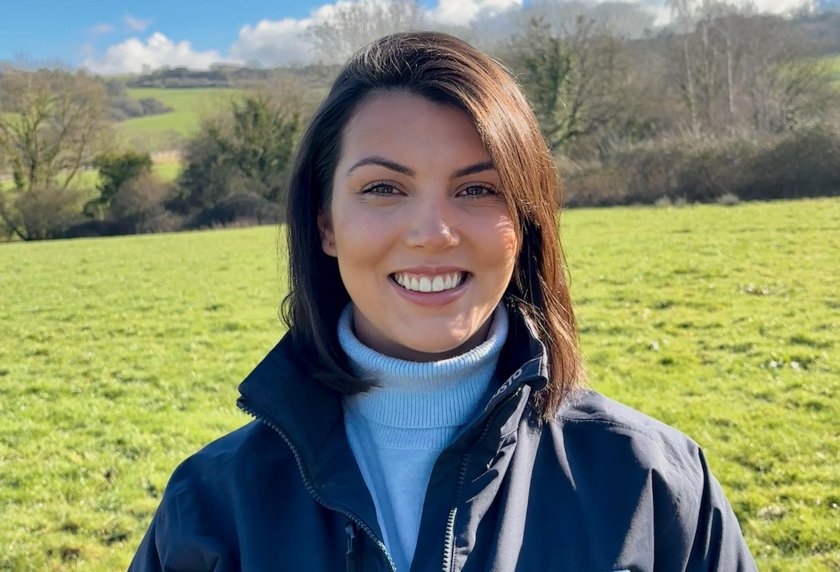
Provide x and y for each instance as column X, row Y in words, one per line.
column 833, row 64
column 167, row 172
column 87, row 180
column 165, row 131
column 119, row 357
column 84, row 180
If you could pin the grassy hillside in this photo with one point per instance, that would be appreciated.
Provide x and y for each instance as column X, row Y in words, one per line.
column 165, row 131
column 119, row 357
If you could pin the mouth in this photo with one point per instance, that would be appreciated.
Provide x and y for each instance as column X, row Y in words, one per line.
column 429, row 283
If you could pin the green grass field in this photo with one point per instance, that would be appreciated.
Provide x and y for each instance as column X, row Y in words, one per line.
column 167, row 130
column 119, row 357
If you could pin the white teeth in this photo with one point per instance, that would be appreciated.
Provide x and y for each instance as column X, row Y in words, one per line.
column 437, row 283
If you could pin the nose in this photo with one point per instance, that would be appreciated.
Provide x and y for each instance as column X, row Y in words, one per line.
column 432, row 225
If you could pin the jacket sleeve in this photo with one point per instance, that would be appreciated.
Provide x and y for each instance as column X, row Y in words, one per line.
column 182, row 538
column 718, row 542
column 147, row 559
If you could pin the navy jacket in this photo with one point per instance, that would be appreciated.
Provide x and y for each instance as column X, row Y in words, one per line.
column 599, row 488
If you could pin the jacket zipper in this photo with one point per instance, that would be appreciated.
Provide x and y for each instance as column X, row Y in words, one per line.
column 449, row 540
column 311, row 489
column 350, row 557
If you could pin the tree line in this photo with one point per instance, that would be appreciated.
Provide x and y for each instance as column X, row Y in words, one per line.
column 729, row 104
column 725, row 104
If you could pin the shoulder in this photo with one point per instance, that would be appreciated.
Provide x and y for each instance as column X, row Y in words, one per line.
column 640, row 484
column 657, row 471
column 602, row 431
column 594, row 411
column 229, row 476
column 242, row 455
column 223, row 484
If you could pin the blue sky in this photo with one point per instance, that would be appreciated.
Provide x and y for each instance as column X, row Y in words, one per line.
column 70, row 30
column 127, row 36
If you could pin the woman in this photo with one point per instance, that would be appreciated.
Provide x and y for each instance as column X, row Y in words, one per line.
column 426, row 410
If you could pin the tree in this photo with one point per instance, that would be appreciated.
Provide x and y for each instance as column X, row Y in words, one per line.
column 683, row 14
column 246, row 151
column 52, row 123
column 115, row 170
column 352, row 25
column 138, row 205
column 43, row 212
column 736, row 68
column 569, row 76
column 625, row 19
column 782, row 83
column 260, row 141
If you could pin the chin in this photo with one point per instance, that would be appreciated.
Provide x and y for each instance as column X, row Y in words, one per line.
column 412, row 339
column 433, row 348
column 436, row 347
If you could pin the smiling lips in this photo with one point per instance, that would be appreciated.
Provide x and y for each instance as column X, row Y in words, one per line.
column 429, row 282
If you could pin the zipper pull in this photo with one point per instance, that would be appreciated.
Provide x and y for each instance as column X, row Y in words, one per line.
column 350, row 529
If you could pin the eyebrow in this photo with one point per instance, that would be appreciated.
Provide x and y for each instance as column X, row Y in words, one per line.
column 408, row 171
column 473, row 169
column 382, row 162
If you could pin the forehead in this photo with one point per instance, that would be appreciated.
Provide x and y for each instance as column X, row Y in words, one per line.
column 390, row 123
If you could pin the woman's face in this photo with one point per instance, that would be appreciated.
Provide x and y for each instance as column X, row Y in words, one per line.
column 424, row 241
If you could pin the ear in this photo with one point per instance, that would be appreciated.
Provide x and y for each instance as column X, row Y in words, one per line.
column 327, row 235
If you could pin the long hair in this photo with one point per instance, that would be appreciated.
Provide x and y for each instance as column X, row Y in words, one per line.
column 446, row 71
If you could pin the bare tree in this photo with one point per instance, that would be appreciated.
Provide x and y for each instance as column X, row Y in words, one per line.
column 782, row 82
column 625, row 19
column 738, row 68
column 353, row 25
column 52, row 123
column 683, row 13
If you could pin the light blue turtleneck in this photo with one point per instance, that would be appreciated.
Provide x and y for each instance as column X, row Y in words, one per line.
column 398, row 430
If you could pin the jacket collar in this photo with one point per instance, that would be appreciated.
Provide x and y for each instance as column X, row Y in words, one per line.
column 308, row 414
column 278, row 391
column 523, row 358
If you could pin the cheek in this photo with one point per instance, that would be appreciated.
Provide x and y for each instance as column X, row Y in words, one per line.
column 353, row 226
column 362, row 241
column 506, row 243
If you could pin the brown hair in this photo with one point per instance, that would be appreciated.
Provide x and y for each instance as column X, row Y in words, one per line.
column 447, row 71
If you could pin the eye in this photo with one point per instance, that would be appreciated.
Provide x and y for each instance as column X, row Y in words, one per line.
column 381, row 188
column 478, row 191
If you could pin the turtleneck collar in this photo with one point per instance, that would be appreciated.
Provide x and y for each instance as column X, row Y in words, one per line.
column 422, row 395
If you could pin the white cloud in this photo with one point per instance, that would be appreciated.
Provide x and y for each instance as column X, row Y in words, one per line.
column 285, row 41
column 279, row 42
column 274, row 42
column 462, row 12
column 663, row 13
column 132, row 55
column 778, row 6
column 137, row 24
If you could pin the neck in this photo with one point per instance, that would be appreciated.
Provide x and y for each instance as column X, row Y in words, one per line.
column 441, row 393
